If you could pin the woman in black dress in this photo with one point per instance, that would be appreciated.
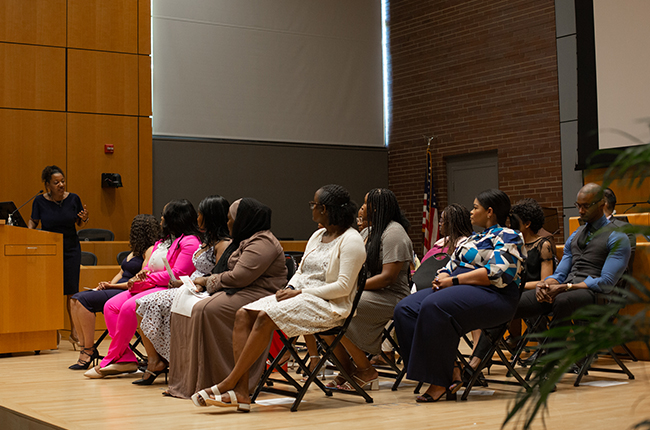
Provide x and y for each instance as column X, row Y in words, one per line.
column 59, row 211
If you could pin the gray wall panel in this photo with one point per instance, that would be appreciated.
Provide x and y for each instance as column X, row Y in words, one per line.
column 567, row 73
column 282, row 176
column 565, row 17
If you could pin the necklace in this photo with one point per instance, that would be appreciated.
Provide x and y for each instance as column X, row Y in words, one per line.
column 59, row 203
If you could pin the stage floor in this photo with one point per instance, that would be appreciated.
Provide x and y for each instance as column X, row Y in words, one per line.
column 39, row 392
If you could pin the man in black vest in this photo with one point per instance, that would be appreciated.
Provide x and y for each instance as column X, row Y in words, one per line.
column 595, row 257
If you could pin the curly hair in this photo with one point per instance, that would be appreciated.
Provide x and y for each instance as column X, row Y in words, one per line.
column 529, row 210
column 457, row 224
column 342, row 211
column 145, row 231
column 382, row 209
column 47, row 173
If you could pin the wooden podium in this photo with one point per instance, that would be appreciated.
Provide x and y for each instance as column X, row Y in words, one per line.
column 31, row 289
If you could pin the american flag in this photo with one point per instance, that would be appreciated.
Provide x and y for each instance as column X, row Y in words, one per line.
column 430, row 208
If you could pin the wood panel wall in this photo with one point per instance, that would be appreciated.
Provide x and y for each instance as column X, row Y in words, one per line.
column 630, row 197
column 75, row 75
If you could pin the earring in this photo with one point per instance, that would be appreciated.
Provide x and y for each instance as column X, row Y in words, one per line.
column 322, row 212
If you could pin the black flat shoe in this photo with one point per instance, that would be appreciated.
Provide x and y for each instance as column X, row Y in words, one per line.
column 150, row 376
column 84, row 365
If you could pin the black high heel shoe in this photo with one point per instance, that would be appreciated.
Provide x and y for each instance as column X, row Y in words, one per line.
column 84, row 365
column 457, row 383
column 150, row 376
column 427, row 398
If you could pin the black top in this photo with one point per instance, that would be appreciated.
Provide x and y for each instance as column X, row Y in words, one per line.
column 534, row 260
column 58, row 217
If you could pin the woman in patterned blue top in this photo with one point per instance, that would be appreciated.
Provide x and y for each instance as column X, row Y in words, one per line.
column 477, row 289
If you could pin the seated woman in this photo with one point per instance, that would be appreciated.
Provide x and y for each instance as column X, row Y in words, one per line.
column 318, row 297
column 145, row 230
column 540, row 263
column 389, row 255
column 478, row 288
column 455, row 226
column 155, row 309
column 251, row 267
column 180, row 239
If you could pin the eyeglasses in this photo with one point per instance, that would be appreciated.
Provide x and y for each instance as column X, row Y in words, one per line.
column 585, row 206
column 312, row 205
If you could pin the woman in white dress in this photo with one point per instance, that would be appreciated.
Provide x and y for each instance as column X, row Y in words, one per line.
column 318, row 297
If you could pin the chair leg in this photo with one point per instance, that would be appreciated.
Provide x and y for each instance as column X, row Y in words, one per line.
column 629, row 352
column 623, row 367
column 583, row 369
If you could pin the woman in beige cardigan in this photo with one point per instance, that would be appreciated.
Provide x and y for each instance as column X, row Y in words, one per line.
column 318, row 297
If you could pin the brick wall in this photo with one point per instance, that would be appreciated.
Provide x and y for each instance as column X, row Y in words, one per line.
column 478, row 75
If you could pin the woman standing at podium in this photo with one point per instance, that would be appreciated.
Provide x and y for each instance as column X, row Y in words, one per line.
column 59, row 211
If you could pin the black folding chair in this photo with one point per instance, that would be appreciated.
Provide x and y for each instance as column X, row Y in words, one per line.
column 623, row 286
column 391, row 369
column 267, row 384
column 133, row 346
column 495, row 336
column 428, row 270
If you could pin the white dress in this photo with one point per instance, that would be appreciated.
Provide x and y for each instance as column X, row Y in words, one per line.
column 304, row 313
column 155, row 309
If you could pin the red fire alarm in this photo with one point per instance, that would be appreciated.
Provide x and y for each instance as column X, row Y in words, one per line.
column 109, row 149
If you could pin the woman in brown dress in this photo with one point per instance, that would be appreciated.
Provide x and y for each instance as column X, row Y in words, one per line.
column 253, row 266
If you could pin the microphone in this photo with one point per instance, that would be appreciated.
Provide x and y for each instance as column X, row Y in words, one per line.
column 10, row 221
column 625, row 211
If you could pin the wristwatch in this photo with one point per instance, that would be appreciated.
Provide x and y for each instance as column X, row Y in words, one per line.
column 454, row 280
column 569, row 285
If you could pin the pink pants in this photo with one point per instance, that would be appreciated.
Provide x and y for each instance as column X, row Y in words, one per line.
column 122, row 322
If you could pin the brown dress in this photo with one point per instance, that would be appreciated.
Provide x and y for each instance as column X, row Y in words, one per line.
column 201, row 352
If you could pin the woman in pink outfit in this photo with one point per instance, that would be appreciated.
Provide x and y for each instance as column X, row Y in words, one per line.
column 181, row 237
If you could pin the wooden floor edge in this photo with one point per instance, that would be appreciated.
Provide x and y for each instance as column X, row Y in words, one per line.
column 13, row 419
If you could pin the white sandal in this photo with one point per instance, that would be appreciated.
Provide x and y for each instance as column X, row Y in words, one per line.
column 201, row 398
column 242, row 407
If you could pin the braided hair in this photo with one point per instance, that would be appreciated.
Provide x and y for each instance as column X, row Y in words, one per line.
column 145, row 231
column 341, row 210
column 457, row 224
column 382, row 209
